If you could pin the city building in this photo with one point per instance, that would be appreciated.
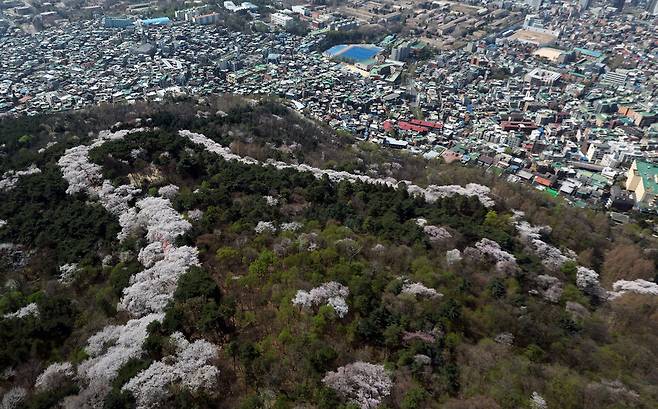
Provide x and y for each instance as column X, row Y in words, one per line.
column 652, row 7
column 400, row 53
column 118, row 22
column 642, row 179
column 282, row 20
column 205, row 19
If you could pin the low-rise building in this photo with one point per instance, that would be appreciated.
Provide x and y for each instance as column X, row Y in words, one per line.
column 642, row 179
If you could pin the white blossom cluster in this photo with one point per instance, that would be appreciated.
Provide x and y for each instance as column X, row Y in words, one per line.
column 453, row 256
column 420, row 222
column 537, row 401
column 135, row 153
column 151, row 254
column 168, row 191
column 162, row 222
column 339, row 305
column 638, row 286
column 189, row 367
column 378, row 248
column 422, row 359
column 489, row 249
column 81, row 174
column 151, row 290
column 265, row 227
column 331, row 293
column 493, row 250
column 54, row 376
column 432, row 193
column 13, row 398
column 549, row 287
column 10, row 178
column 436, row 234
column 271, row 200
column 292, row 226
column 528, row 232
column 67, row 273
column 419, row 289
column 112, row 347
column 551, row 257
column 84, row 176
column 504, row 338
column 30, row 310
column 3, row 223
column 362, row 383
column 587, row 280
column 195, row 215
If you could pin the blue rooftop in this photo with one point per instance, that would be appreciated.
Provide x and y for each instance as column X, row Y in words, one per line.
column 353, row 53
column 158, row 21
column 590, row 53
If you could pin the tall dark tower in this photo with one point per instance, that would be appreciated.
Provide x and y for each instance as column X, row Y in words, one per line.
column 652, row 7
column 618, row 4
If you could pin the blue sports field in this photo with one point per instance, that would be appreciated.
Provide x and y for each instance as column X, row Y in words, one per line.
column 353, row 53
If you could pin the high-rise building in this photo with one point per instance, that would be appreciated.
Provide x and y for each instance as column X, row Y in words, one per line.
column 281, row 19
column 534, row 4
column 584, row 4
column 652, row 7
column 400, row 53
column 618, row 4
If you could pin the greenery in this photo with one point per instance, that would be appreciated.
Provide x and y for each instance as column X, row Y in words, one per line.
column 442, row 351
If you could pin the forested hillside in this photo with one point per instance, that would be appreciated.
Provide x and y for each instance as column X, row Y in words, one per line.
column 228, row 253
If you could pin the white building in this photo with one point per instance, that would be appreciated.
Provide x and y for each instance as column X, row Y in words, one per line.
column 206, row 19
column 281, row 19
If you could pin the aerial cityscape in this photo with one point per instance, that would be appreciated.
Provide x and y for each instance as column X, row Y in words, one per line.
column 329, row 204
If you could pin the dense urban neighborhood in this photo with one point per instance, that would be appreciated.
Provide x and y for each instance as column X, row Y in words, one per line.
column 559, row 95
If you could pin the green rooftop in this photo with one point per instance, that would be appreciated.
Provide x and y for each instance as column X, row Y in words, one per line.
column 648, row 172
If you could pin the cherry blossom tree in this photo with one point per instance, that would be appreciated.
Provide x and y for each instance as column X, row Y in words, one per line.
column 453, row 256
column 113, row 346
column 537, row 401
column 54, row 376
column 550, row 288
column 30, row 310
column 13, row 398
column 271, row 200
column 188, row 367
column 331, row 293
column 436, row 234
column 292, row 226
column 161, row 221
column 108, row 350
column 195, row 215
column 638, row 286
column 151, row 290
column 551, row 257
column 264, row 227
column 151, row 254
column 587, row 280
column 168, row 191
column 10, row 178
column 67, row 273
column 419, row 289
column 431, row 194
column 362, row 383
